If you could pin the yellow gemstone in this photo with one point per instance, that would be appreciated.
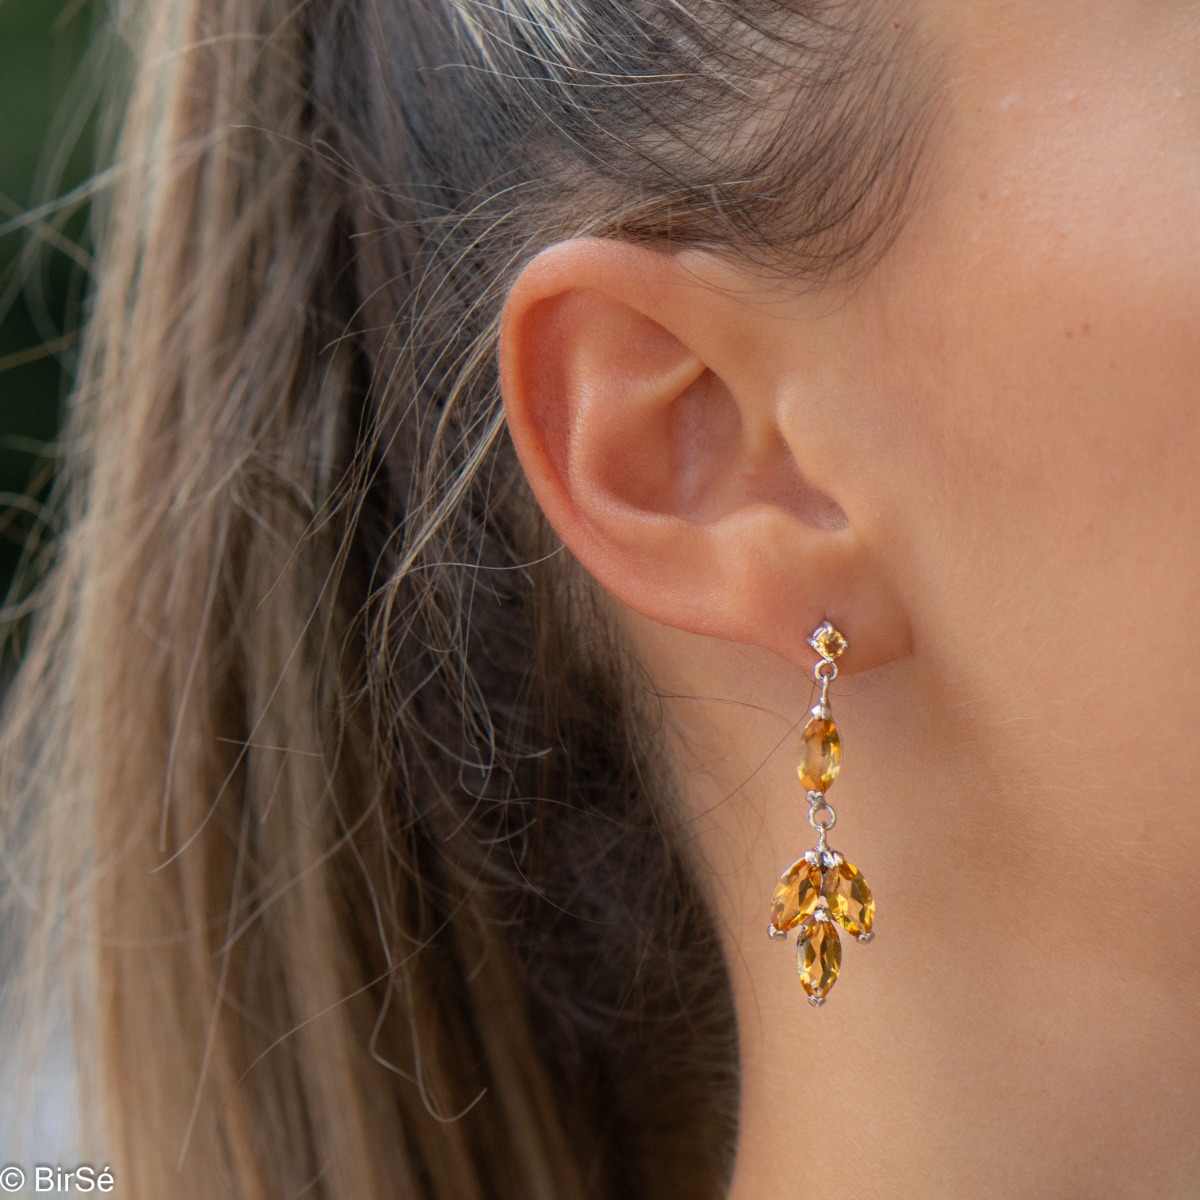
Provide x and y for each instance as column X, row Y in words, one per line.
column 828, row 643
column 848, row 897
column 821, row 754
column 818, row 955
column 796, row 894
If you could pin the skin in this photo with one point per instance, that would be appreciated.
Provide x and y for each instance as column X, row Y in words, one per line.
column 981, row 464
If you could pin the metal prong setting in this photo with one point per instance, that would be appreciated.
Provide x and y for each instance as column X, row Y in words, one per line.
column 825, row 626
column 774, row 933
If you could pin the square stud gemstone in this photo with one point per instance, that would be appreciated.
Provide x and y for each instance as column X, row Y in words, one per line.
column 827, row 642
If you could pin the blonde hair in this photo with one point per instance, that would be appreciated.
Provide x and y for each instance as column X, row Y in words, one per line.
column 326, row 767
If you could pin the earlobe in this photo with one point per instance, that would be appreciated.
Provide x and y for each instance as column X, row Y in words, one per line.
column 648, row 429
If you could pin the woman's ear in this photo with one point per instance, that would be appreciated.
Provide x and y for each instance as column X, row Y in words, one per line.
column 644, row 393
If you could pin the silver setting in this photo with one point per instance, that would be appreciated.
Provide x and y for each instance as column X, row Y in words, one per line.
column 775, row 934
column 816, row 1001
column 825, row 678
column 822, row 819
column 869, row 936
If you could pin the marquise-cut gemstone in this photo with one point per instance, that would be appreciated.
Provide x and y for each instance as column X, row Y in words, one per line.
column 818, row 955
column 849, row 898
column 820, row 754
column 796, row 894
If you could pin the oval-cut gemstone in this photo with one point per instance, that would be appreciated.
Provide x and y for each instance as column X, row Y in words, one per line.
column 796, row 894
column 848, row 897
column 818, row 954
column 820, row 754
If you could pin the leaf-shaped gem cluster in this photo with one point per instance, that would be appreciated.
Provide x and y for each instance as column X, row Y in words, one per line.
column 816, row 895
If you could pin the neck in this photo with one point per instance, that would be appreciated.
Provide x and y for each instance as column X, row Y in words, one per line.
column 1017, row 1029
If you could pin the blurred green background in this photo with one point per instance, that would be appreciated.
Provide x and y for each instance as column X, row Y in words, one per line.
column 48, row 84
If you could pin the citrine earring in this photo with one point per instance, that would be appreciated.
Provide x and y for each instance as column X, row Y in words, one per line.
column 821, row 891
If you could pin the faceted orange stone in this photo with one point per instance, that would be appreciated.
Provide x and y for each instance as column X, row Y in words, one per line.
column 848, row 897
column 818, row 954
column 796, row 894
column 821, row 754
column 829, row 643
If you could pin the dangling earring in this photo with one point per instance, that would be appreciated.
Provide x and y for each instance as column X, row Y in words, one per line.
column 821, row 890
